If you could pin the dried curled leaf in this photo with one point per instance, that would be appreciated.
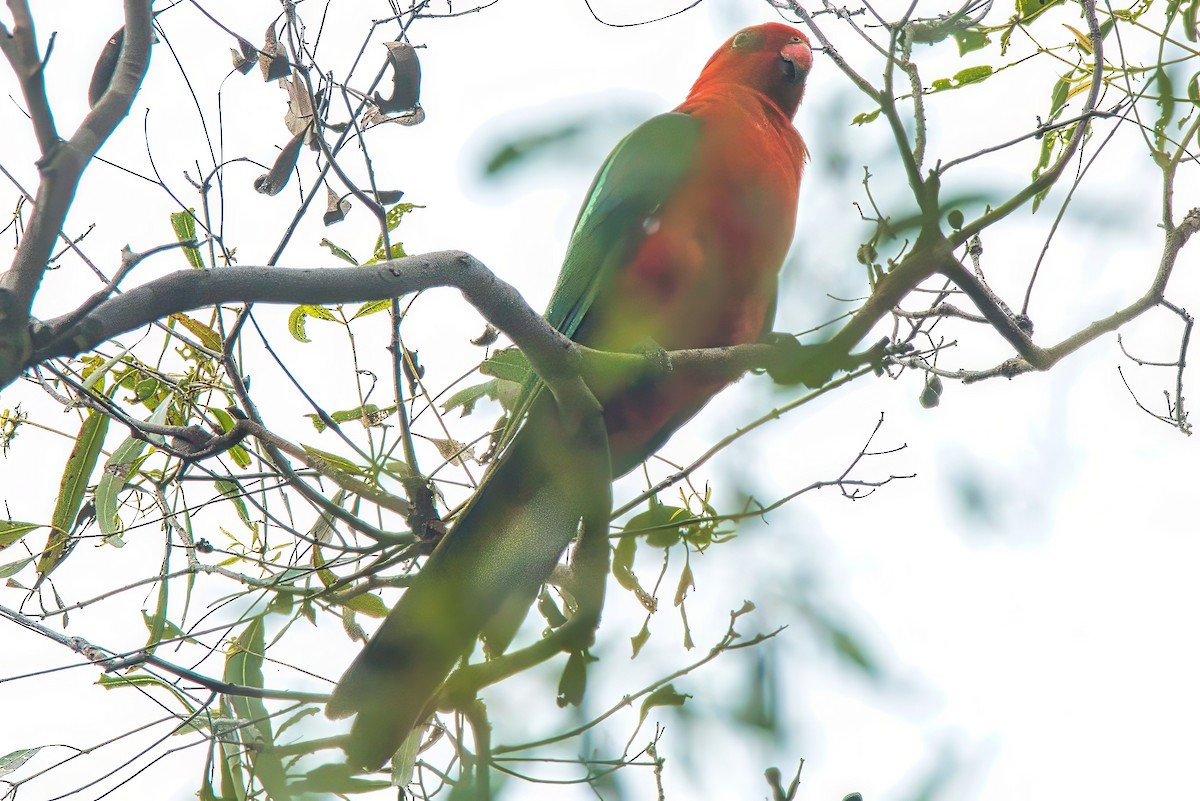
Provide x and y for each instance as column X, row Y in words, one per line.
column 244, row 57
column 455, row 452
column 300, row 110
column 102, row 73
column 272, row 59
column 375, row 117
column 388, row 197
column 489, row 336
column 336, row 208
column 406, row 79
column 273, row 182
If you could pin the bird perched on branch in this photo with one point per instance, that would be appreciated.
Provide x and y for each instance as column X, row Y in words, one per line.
column 679, row 242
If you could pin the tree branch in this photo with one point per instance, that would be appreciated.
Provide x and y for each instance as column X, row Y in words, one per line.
column 61, row 167
column 21, row 49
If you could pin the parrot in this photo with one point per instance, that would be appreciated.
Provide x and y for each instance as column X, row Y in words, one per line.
column 679, row 243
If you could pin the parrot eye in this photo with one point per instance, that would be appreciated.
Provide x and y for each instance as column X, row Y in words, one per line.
column 795, row 40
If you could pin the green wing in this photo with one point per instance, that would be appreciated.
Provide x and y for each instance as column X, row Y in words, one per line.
column 639, row 176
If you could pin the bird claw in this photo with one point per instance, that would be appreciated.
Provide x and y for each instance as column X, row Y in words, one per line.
column 813, row 365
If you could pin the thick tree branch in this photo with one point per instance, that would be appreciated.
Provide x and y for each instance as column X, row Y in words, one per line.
column 555, row 358
column 61, row 167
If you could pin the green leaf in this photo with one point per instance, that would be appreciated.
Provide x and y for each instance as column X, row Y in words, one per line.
column 1166, row 101
column 404, row 761
column 341, row 780
column 866, row 117
column 849, row 648
column 1190, row 27
column 1083, row 40
column 1058, row 97
column 11, row 531
column 371, row 413
column 147, row 388
column 13, row 760
column 641, row 638
column 297, row 717
column 115, row 681
column 846, row 643
column 521, row 148
column 240, row 456
column 962, row 78
column 973, row 74
column 157, row 623
column 320, row 312
column 368, row 604
column 281, row 604
column 1030, row 9
column 13, row 568
column 169, row 630
column 243, row 666
column 392, row 221
column 119, row 468
column 296, row 324
column 971, row 39
column 687, row 581
column 184, row 224
column 334, row 461
column 340, row 252
column 622, row 570
column 234, row 493
column 325, row 575
column 373, row 307
column 399, row 469
column 76, row 475
column 397, row 252
column 208, row 337
column 573, row 683
column 244, row 660
column 468, row 397
column 666, row 695
column 664, row 525
column 94, row 371
column 622, row 562
column 508, row 364
column 233, row 782
column 298, row 319
column 760, row 702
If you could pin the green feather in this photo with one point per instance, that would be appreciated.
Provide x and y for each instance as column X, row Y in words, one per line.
column 640, row 175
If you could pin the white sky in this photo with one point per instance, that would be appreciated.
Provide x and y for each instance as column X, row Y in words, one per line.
column 1044, row 644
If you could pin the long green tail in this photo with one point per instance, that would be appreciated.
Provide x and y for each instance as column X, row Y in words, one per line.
column 494, row 558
